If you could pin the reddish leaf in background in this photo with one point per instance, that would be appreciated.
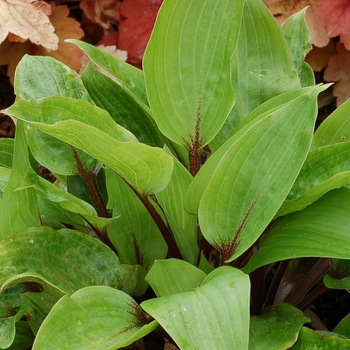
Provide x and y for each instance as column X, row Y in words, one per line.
column 334, row 15
column 338, row 71
column 137, row 21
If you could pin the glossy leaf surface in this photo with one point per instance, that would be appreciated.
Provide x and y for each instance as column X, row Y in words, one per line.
column 187, row 68
column 320, row 230
column 213, row 316
column 255, row 175
column 96, row 317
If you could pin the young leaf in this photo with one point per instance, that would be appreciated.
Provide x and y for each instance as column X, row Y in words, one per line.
column 320, row 230
column 130, row 78
column 255, row 175
column 213, row 316
column 339, row 275
column 276, row 328
column 18, row 209
column 298, row 40
column 187, row 68
column 262, row 66
column 171, row 276
column 96, row 317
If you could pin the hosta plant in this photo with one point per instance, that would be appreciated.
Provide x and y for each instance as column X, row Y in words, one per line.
column 194, row 202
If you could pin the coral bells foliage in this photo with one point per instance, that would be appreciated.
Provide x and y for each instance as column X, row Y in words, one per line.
column 137, row 21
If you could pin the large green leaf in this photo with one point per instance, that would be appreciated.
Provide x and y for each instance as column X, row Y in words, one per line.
column 335, row 128
column 121, row 106
column 98, row 318
column 297, row 36
column 262, row 66
column 18, row 209
column 39, row 77
column 276, row 328
column 201, row 180
column 147, row 169
column 62, row 261
column 325, row 168
column 171, row 276
column 255, row 175
column 187, row 68
column 311, row 340
column 320, row 230
column 130, row 78
column 183, row 224
column 213, row 316
column 134, row 234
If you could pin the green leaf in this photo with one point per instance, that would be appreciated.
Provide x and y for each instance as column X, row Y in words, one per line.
column 320, row 230
column 262, row 67
column 7, row 331
column 6, row 152
column 39, row 77
column 36, row 306
column 183, row 224
column 311, row 340
column 129, row 77
column 255, row 175
column 297, row 36
column 325, row 168
column 121, row 106
column 98, row 317
column 147, row 169
column 62, row 261
column 134, row 234
column 276, row 328
column 187, row 68
column 334, row 129
column 213, row 316
column 339, row 275
column 18, row 209
column 171, row 276
column 201, row 180
column 24, row 337
column 343, row 327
